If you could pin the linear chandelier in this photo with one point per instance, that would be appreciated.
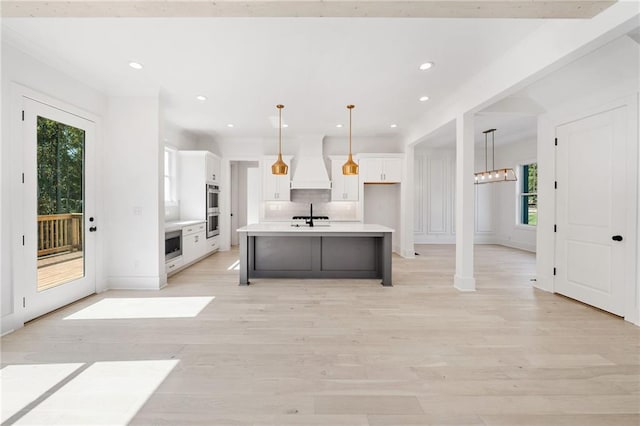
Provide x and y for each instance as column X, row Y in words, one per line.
column 492, row 176
column 279, row 167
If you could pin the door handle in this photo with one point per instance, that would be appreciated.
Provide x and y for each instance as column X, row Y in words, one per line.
column 617, row 238
column 93, row 229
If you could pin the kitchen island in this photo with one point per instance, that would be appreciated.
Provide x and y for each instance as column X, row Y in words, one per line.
column 341, row 250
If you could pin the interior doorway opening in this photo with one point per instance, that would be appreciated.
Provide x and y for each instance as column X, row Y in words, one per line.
column 245, row 191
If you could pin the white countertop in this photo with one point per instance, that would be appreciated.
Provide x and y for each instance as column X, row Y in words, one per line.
column 176, row 225
column 334, row 227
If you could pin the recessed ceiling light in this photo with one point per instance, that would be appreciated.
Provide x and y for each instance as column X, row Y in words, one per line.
column 393, row 126
column 338, row 125
column 285, row 125
column 201, row 98
column 229, row 125
column 424, row 98
column 135, row 65
column 426, row 66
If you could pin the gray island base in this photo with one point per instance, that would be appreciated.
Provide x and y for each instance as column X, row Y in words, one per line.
column 337, row 251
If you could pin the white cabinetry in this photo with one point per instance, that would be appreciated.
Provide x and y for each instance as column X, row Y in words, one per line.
column 381, row 169
column 275, row 187
column 196, row 169
column 194, row 242
column 213, row 244
column 343, row 188
column 213, row 165
column 173, row 265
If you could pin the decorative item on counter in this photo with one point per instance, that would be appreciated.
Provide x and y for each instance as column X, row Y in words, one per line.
column 279, row 167
column 490, row 176
column 350, row 167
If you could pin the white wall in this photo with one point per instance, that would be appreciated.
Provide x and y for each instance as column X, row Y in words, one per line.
column 27, row 71
column 172, row 136
column 133, row 194
column 434, row 184
column 625, row 94
column 508, row 232
column 495, row 206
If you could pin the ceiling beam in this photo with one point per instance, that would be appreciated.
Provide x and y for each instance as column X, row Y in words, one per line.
column 531, row 9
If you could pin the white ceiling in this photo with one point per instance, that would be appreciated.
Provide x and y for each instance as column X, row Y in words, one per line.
column 245, row 66
column 617, row 62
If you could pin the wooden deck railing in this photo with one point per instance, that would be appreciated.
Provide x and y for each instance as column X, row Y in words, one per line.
column 59, row 233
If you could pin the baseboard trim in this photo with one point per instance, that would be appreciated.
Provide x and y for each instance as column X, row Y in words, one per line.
column 134, row 283
column 465, row 284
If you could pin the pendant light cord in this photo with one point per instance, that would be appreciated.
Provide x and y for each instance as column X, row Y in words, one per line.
column 485, row 153
column 350, row 110
column 493, row 150
column 280, row 132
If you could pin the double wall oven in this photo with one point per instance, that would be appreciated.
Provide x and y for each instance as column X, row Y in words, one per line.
column 213, row 210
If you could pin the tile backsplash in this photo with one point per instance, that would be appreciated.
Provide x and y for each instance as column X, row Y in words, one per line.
column 299, row 206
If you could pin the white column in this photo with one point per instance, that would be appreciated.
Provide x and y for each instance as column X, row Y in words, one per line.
column 464, row 280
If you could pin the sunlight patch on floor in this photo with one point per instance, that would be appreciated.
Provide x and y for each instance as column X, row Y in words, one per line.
column 235, row 266
column 106, row 393
column 143, row 307
column 23, row 384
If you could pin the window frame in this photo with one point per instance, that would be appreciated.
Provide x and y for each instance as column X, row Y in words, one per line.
column 170, row 175
column 520, row 194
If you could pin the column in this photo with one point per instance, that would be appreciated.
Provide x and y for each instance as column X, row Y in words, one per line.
column 465, row 189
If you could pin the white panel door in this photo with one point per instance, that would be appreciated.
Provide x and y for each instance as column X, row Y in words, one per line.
column 59, row 183
column 591, row 210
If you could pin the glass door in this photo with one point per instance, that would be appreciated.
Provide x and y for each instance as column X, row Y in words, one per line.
column 59, row 230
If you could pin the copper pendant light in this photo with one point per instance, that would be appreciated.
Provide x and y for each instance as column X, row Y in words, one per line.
column 279, row 167
column 350, row 167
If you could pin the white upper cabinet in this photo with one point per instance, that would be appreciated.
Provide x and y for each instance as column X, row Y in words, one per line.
column 196, row 169
column 343, row 188
column 275, row 187
column 381, row 169
column 213, row 165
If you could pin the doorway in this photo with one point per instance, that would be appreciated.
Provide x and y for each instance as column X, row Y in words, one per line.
column 593, row 239
column 59, row 231
column 245, row 195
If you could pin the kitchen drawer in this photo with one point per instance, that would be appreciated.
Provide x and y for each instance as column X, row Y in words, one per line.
column 213, row 244
column 192, row 229
column 173, row 265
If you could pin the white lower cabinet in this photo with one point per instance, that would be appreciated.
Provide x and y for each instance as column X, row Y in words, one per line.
column 213, row 244
column 173, row 265
column 193, row 246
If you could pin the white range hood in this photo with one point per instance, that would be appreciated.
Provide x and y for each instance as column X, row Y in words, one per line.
column 309, row 169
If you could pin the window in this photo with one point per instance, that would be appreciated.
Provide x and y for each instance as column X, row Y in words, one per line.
column 170, row 181
column 528, row 198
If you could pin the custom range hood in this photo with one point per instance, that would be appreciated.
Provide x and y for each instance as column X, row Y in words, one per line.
column 309, row 168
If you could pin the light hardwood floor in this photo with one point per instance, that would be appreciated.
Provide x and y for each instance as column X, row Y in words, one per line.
column 351, row 352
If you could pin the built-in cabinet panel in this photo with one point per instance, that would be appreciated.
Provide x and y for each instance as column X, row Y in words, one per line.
column 213, row 165
column 196, row 170
column 343, row 188
column 193, row 246
column 275, row 187
column 381, row 170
